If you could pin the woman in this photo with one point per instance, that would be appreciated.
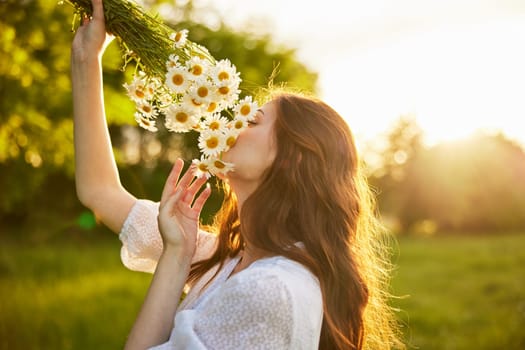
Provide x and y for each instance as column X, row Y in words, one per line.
column 296, row 262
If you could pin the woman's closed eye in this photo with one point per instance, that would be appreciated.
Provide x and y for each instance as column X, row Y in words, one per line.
column 256, row 119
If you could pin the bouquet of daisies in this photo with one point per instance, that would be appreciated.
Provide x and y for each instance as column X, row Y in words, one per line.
column 178, row 80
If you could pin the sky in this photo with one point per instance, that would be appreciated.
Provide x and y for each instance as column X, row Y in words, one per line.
column 456, row 66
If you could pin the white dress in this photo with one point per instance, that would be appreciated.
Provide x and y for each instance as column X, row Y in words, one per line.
column 275, row 303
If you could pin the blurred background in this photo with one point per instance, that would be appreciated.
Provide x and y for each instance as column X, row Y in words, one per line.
column 434, row 92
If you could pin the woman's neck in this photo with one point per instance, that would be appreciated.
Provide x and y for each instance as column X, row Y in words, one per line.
column 242, row 189
column 248, row 256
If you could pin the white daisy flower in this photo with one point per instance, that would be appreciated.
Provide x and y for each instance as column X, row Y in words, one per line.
column 211, row 143
column 246, row 108
column 224, row 72
column 228, row 94
column 180, row 118
column 145, row 122
column 165, row 98
column 177, row 79
column 201, row 167
column 173, row 61
column 213, row 107
column 191, row 103
column 152, row 85
column 215, row 122
column 231, row 137
column 197, row 67
column 147, row 109
column 203, row 49
column 179, row 38
column 137, row 90
column 217, row 166
column 202, row 91
column 238, row 124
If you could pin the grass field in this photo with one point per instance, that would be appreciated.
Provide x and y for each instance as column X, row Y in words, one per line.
column 458, row 293
column 462, row 292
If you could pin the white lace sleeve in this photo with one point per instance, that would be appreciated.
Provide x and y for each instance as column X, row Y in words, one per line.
column 142, row 242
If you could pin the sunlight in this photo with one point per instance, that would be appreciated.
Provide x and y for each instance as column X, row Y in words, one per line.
column 456, row 80
column 456, row 65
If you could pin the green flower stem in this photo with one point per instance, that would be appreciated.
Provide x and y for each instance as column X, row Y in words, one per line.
column 145, row 37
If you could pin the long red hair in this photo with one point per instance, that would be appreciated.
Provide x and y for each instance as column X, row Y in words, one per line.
column 315, row 193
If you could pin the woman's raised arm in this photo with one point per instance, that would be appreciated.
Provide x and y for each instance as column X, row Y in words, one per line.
column 96, row 174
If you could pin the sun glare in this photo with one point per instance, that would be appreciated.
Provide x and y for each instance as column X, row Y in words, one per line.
column 456, row 80
column 457, row 66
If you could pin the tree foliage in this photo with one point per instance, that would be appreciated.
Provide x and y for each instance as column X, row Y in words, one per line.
column 36, row 130
column 475, row 184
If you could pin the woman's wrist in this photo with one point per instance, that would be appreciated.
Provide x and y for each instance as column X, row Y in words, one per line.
column 85, row 72
column 83, row 57
column 176, row 255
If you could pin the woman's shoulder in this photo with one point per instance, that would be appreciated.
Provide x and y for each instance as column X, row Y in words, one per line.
column 279, row 273
column 267, row 305
column 283, row 268
column 281, row 292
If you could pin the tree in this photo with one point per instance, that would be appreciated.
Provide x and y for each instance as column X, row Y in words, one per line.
column 36, row 133
column 474, row 184
column 392, row 177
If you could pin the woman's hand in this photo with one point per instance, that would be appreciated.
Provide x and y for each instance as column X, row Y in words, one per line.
column 91, row 38
column 178, row 222
column 180, row 210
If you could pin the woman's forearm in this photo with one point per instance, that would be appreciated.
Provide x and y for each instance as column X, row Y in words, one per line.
column 155, row 319
column 97, row 179
column 94, row 162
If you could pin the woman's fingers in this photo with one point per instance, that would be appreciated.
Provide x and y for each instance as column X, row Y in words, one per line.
column 168, row 221
column 193, row 189
column 171, row 182
column 185, row 181
column 98, row 10
column 179, row 193
column 172, row 201
column 201, row 199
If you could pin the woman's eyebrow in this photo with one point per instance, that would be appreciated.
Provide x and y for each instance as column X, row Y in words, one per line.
column 260, row 110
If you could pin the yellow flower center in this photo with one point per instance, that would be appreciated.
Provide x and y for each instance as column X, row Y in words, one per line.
column 238, row 124
column 230, row 141
column 195, row 103
column 177, row 79
column 214, row 125
column 146, row 108
column 178, row 36
column 219, row 165
column 139, row 93
column 196, row 70
column 202, row 91
column 224, row 90
column 212, row 142
column 203, row 167
column 224, row 75
column 212, row 106
column 181, row 117
column 245, row 110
